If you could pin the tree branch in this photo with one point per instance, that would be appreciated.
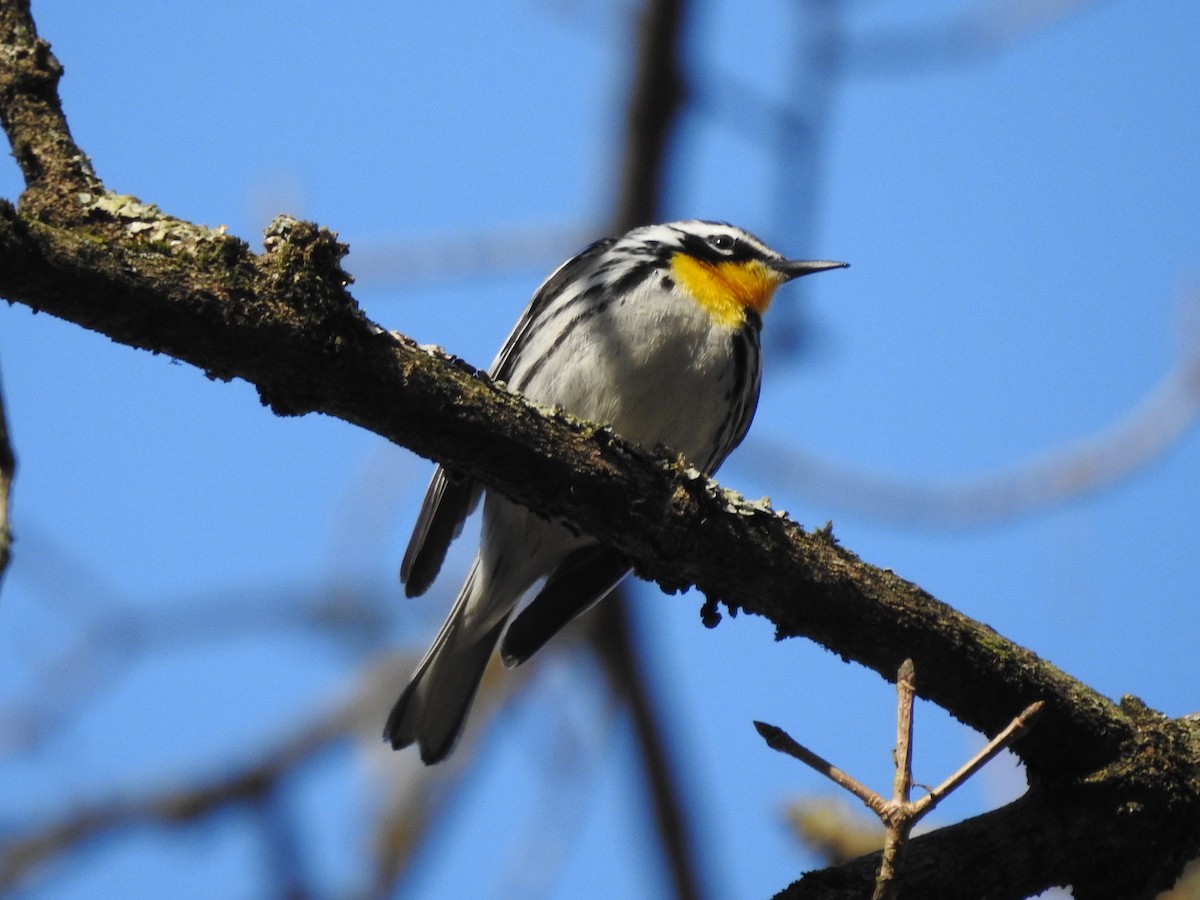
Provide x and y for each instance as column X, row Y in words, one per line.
column 1045, row 838
column 284, row 322
column 52, row 164
column 899, row 814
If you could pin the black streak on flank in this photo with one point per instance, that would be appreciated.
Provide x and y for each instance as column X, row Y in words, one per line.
column 590, row 310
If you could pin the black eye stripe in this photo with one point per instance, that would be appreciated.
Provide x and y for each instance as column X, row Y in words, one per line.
column 741, row 247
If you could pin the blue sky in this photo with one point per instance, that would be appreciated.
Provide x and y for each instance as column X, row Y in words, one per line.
column 1023, row 230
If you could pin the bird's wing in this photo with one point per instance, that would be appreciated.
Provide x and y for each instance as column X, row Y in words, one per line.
column 581, row 580
column 543, row 297
column 448, row 502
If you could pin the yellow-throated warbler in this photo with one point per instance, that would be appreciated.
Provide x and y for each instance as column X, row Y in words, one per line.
column 655, row 332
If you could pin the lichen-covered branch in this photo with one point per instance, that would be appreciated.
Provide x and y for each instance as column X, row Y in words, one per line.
column 284, row 321
column 53, row 166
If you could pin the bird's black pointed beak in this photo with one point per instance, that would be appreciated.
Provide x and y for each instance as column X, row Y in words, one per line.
column 794, row 268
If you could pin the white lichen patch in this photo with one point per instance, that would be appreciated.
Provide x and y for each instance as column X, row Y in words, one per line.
column 146, row 221
column 738, row 505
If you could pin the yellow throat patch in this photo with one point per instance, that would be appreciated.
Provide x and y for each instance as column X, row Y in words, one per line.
column 727, row 289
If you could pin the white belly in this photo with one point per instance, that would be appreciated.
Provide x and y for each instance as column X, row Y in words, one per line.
column 656, row 368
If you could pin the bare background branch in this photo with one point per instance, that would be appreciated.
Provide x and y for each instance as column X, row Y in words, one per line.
column 8, row 468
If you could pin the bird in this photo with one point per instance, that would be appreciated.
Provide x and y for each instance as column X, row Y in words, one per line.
column 654, row 332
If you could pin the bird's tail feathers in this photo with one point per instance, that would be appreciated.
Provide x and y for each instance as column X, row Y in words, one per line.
column 434, row 706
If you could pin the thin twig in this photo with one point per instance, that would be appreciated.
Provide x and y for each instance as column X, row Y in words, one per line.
column 1001, row 741
column 906, row 691
column 899, row 823
column 900, row 814
column 778, row 739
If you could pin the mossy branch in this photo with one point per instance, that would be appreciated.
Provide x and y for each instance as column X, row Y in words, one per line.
column 284, row 321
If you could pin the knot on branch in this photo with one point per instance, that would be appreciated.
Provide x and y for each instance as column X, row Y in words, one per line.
column 301, row 265
column 33, row 67
column 304, row 263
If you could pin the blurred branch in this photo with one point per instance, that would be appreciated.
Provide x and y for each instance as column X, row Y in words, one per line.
column 413, row 797
column 110, row 634
column 416, row 797
column 8, row 469
column 609, row 19
column 281, row 845
column 412, row 260
column 626, row 671
column 1108, row 781
column 832, row 49
column 831, row 829
column 1165, row 415
column 963, row 39
column 116, row 635
column 828, row 51
column 797, row 144
column 570, row 763
column 251, row 785
column 656, row 96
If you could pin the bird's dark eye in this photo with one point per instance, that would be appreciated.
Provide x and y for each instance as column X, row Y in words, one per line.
column 724, row 242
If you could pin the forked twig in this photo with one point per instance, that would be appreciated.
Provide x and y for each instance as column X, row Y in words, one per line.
column 899, row 814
